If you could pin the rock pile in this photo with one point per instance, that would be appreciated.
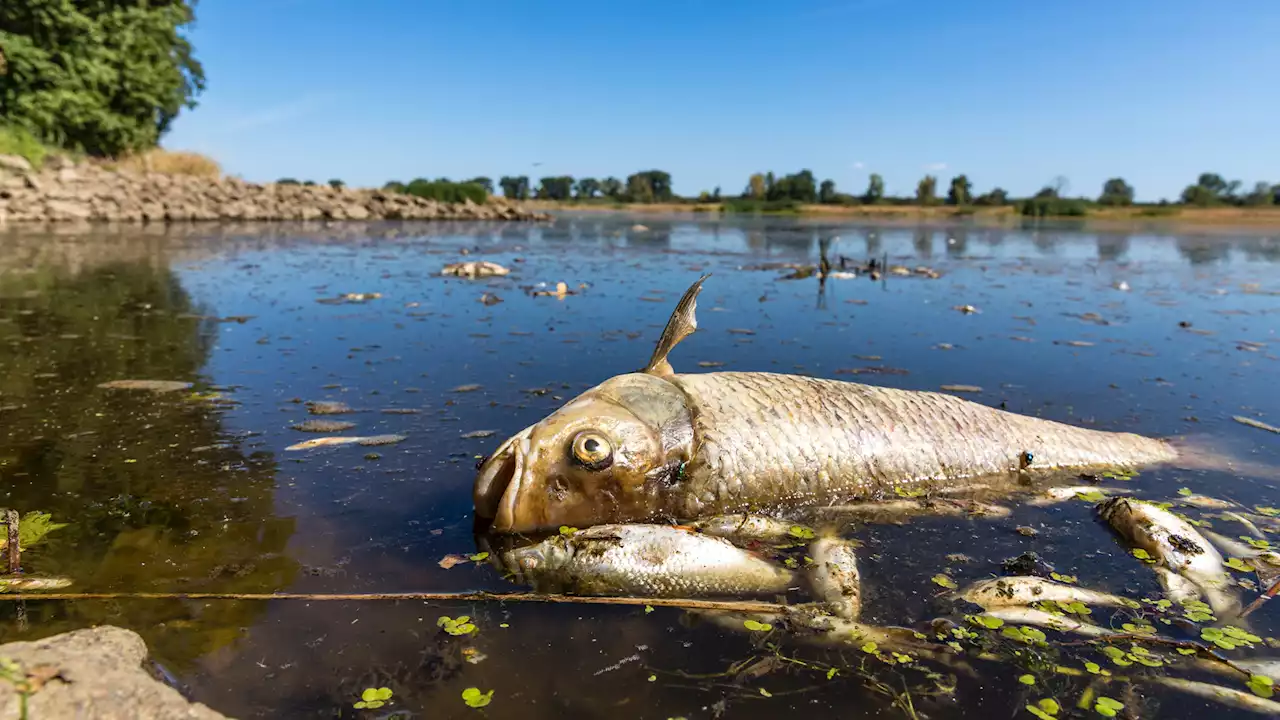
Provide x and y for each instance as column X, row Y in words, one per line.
column 63, row 191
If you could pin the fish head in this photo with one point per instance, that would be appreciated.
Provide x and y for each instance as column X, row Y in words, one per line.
column 609, row 455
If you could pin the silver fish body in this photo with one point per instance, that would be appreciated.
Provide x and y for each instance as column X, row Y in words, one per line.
column 644, row 560
column 835, row 576
column 1024, row 590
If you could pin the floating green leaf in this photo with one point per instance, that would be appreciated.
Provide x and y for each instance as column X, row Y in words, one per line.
column 1108, row 707
column 33, row 526
column 1239, row 636
column 1268, row 511
column 1184, row 491
column 648, row 609
column 1096, row 669
column 801, row 532
column 1064, row 578
column 476, row 699
column 1046, row 709
column 1238, row 564
column 757, row 626
column 479, row 557
column 987, row 621
column 1219, row 637
column 1186, row 651
column 870, row 648
column 458, row 626
column 1257, row 543
column 566, row 530
column 1261, row 685
column 1027, row 679
column 1091, row 496
column 944, row 581
column 373, row 698
column 1142, row 555
column 1028, row 635
column 831, row 673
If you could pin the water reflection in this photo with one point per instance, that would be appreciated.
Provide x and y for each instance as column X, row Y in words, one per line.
column 157, row 495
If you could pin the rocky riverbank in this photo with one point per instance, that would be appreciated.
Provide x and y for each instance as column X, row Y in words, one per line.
column 63, row 191
column 95, row 674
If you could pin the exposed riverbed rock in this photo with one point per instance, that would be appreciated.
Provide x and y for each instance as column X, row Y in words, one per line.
column 86, row 192
column 94, row 674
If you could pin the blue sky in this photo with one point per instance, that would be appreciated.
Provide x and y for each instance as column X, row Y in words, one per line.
column 1009, row 92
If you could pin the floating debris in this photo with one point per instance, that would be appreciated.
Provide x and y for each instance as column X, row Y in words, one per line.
column 467, row 388
column 562, row 290
column 32, row 584
column 477, row 434
column 966, row 309
column 474, row 269
column 323, row 426
column 328, row 407
column 962, row 388
column 159, row 386
column 489, row 299
column 1255, row 423
column 348, row 440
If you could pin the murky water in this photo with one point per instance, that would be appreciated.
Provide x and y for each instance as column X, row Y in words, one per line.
column 195, row 490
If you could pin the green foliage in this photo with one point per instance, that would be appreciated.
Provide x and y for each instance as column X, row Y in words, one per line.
column 995, row 198
column 337, row 184
column 483, row 182
column 960, row 192
column 559, row 187
column 1116, row 192
column 649, row 186
column 611, row 187
column 104, row 78
column 515, row 188
column 875, row 189
column 20, row 142
column 1043, row 206
column 748, row 205
column 927, row 190
column 586, row 188
column 827, row 192
column 373, row 698
column 288, row 181
column 445, row 191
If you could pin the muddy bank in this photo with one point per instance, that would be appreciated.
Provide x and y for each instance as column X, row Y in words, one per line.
column 96, row 674
column 65, row 192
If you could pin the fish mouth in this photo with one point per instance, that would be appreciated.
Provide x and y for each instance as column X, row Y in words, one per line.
column 497, row 473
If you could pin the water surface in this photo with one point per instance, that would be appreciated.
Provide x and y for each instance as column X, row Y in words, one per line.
column 194, row 491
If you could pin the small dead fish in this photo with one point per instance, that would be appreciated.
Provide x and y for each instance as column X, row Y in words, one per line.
column 962, row 388
column 1024, row 590
column 324, row 426
column 474, row 269
column 1173, row 543
column 1207, row 503
column 28, row 584
column 1072, row 492
column 1240, row 699
column 750, row 527
column 835, row 577
column 1175, row 587
column 467, row 388
column 348, row 440
column 1031, row 616
column 477, row 434
column 896, row 510
column 649, row 560
column 1255, row 423
column 159, row 386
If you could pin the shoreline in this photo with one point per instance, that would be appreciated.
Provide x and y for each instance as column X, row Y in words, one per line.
column 1003, row 215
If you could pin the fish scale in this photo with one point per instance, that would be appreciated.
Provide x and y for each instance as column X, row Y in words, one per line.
column 762, row 438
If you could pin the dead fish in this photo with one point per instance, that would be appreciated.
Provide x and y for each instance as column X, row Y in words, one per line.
column 1240, row 699
column 751, row 527
column 1206, row 503
column 897, row 510
column 32, row 584
column 1173, row 543
column 159, row 386
column 323, row 426
column 655, row 444
column 474, row 269
column 962, row 388
column 648, row 560
column 1072, row 492
column 1176, row 587
column 1026, row 589
column 347, row 440
column 834, row 576
column 1030, row 616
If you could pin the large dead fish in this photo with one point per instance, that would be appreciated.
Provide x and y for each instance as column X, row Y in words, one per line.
column 655, row 444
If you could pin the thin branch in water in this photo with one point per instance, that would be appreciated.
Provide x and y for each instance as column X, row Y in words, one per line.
column 15, row 553
column 1258, row 601
column 1200, row 648
column 746, row 606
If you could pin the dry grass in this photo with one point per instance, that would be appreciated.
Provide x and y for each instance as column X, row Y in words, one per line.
column 169, row 162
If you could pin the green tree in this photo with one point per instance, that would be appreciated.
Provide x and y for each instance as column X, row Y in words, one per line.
column 337, row 184
column 1262, row 195
column 649, row 186
column 755, row 187
column 875, row 189
column 961, row 191
column 557, row 187
column 611, row 187
column 483, row 182
column 997, row 196
column 827, row 192
column 1116, row 192
column 515, row 188
column 927, row 190
column 105, row 77
column 287, row 181
column 587, row 188
column 394, row 186
column 800, row 187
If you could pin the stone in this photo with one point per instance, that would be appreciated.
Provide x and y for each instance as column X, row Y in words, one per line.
column 95, row 674
column 15, row 164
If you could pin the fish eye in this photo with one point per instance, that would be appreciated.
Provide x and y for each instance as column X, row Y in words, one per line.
column 592, row 450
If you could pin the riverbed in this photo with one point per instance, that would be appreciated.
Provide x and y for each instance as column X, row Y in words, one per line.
column 195, row 490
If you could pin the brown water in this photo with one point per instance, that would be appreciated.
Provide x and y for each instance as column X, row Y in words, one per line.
column 194, row 490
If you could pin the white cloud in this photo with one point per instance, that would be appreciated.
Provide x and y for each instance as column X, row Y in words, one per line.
column 934, row 167
column 858, row 165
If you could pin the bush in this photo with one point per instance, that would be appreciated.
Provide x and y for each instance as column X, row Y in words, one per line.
column 444, row 191
column 749, row 205
column 16, row 141
column 1053, row 207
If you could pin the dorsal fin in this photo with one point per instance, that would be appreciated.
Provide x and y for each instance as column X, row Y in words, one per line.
column 682, row 323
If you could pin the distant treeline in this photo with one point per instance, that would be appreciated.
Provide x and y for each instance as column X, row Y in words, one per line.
column 768, row 192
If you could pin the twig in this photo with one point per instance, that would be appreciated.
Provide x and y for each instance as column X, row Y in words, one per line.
column 1257, row 602
column 1168, row 642
column 14, row 552
column 751, row 606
